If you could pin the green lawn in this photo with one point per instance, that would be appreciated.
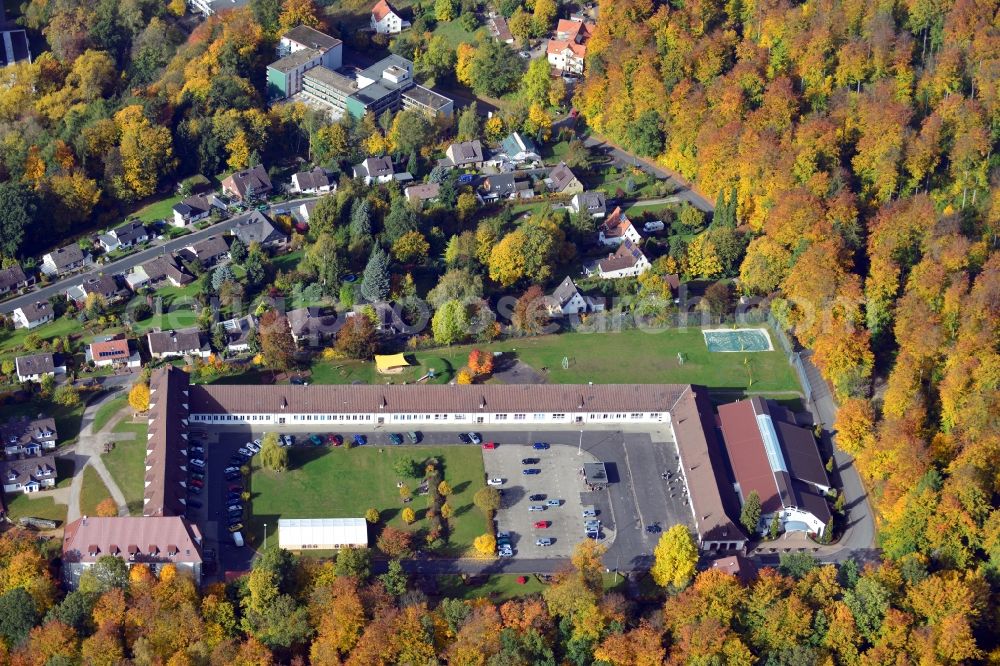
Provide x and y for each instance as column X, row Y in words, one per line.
column 626, row 357
column 126, row 462
column 497, row 588
column 37, row 505
column 159, row 210
column 93, row 492
column 108, row 410
column 344, row 483
column 177, row 309
column 454, row 33
column 348, row 372
column 287, row 262
column 12, row 342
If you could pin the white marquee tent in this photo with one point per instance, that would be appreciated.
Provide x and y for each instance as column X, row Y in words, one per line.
column 322, row 533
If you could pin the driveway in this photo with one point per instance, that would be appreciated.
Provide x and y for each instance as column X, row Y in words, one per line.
column 125, row 265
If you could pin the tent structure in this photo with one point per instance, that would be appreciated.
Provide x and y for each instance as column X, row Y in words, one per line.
column 391, row 364
column 322, row 533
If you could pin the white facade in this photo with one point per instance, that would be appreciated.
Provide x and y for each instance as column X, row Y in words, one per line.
column 182, row 221
column 628, row 233
column 21, row 320
column 443, row 418
column 322, row 533
column 566, row 61
column 638, row 268
column 390, row 24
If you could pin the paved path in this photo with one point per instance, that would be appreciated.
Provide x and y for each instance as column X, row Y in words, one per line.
column 88, row 451
column 126, row 264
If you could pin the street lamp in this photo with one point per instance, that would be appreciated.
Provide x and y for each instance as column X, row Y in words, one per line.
column 264, row 545
column 579, row 447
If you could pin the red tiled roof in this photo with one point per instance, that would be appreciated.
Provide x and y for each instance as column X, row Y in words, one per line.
column 383, row 9
column 616, row 224
column 109, row 349
column 163, row 495
column 747, row 454
column 145, row 539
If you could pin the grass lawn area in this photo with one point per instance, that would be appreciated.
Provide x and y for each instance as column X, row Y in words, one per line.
column 348, row 372
column 497, row 588
column 37, row 505
column 287, row 262
column 602, row 358
column 159, row 210
column 108, row 410
column 454, row 33
column 176, row 309
column 344, row 483
column 127, row 461
column 12, row 342
column 93, row 492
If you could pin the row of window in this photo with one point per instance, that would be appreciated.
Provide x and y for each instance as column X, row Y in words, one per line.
column 634, row 416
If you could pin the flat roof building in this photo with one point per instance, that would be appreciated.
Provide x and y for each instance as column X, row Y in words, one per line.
column 596, row 475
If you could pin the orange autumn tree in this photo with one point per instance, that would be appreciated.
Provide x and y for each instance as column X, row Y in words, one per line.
column 480, row 363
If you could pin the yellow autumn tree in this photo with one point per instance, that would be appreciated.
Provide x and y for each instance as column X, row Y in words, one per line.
column 539, row 122
column 239, row 151
column 507, row 258
column 146, row 153
column 138, row 397
column 703, row 261
column 464, row 376
column 494, row 129
column 177, row 7
column 463, row 63
column 485, row 545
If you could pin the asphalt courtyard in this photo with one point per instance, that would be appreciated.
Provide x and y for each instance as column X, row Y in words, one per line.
column 637, row 495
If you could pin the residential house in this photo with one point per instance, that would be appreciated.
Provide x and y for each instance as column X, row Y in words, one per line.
column 14, row 46
column 64, row 260
column 13, row 279
column 32, row 368
column 375, row 170
column 248, row 184
column 309, row 327
column 258, row 229
column 238, row 333
column 386, row 20
column 177, row 344
column 593, row 203
column 208, row 251
column 497, row 187
column 163, row 268
column 500, row 30
column 627, row 261
column 195, row 208
column 520, row 149
column 567, row 51
column 312, row 182
column 771, row 455
column 152, row 541
column 130, row 234
column 562, row 181
column 304, row 211
column 33, row 315
column 617, row 229
column 464, row 155
column 23, row 436
column 117, row 353
column 105, row 286
column 28, row 475
column 566, row 299
column 418, row 195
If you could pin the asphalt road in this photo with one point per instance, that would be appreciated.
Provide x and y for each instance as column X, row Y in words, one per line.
column 126, row 264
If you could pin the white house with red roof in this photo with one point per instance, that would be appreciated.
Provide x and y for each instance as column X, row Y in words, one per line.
column 568, row 49
column 617, row 229
column 386, row 20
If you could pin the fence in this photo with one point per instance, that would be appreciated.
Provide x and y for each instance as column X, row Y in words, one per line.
column 794, row 357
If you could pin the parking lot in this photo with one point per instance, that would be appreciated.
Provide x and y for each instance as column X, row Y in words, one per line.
column 640, row 494
column 559, row 479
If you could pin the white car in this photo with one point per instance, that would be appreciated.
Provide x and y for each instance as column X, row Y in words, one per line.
column 475, row 438
column 495, row 482
column 536, row 507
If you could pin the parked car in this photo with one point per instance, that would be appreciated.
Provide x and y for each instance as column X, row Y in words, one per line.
column 545, row 541
column 537, row 497
column 531, row 471
column 489, row 445
column 529, row 461
column 232, row 468
column 360, row 440
column 464, row 438
column 198, row 475
column 233, row 496
column 503, row 534
column 233, row 476
column 414, row 437
column 536, row 507
column 554, row 502
column 194, row 504
column 197, row 483
column 236, row 528
column 243, row 451
column 593, row 534
column 196, row 450
column 253, row 448
column 540, row 446
column 653, row 529
column 194, row 490
column 589, row 513
column 198, row 462
column 238, row 539
column 287, row 440
column 655, row 225
column 505, row 552
column 475, row 438
column 541, row 524
column 496, row 481
column 395, row 438
column 235, row 488
column 335, row 439
column 316, row 440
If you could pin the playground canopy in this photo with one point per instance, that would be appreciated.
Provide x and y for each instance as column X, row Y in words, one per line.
column 390, row 363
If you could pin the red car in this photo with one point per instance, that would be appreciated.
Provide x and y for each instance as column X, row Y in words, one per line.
column 542, row 524
column 334, row 439
column 235, row 488
column 489, row 445
column 197, row 484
